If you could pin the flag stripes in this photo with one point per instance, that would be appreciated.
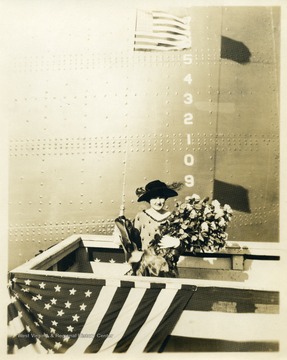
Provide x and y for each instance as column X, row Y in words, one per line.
column 179, row 302
column 143, row 309
column 53, row 314
column 124, row 319
column 108, row 320
column 163, row 15
column 161, row 31
column 158, row 310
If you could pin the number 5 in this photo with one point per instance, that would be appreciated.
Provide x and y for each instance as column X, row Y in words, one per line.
column 187, row 59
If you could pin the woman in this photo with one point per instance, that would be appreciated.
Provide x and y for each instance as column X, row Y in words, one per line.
column 147, row 222
column 138, row 238
column 147, row 261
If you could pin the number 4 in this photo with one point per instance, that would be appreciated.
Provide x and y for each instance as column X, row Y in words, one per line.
column 188, row 79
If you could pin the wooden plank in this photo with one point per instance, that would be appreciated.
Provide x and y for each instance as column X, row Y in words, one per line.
column 237, row 262
column 190, row 344
column 236, row 248
column 52, row 255
column 228, row 326
column 111, row 270
column 100, row 244
column 204, row 262
column 234, row 300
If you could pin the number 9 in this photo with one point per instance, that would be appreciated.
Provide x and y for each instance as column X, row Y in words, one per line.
column 189, row 180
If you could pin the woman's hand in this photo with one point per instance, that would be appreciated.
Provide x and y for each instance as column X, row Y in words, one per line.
column 169, row 241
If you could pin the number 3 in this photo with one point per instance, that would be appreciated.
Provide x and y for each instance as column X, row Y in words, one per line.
column 188, row 98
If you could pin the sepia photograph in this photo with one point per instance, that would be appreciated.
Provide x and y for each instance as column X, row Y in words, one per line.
column 143, row 186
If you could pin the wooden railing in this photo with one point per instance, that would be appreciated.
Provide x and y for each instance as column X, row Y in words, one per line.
column 237, row 264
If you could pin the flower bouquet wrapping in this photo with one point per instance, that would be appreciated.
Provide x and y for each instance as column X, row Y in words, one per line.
column 199, row 225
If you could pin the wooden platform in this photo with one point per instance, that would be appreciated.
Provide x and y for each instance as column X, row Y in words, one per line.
column 235, row 307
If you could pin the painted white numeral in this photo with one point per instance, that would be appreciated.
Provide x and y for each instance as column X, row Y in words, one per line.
column 188, row 159
column 188, row 117
column 188, row 78
column 187, row 59
column 189, row 180
column 188, row 98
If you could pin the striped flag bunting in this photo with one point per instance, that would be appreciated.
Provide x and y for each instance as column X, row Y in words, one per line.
column 160, row 31
column 54, row 314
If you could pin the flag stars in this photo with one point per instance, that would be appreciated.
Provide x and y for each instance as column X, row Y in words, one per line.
column 54, row 322
column 83, row 307
column 66, row 338
column 53, row 301
column 57, row 288
column 72, row 291
column 68, row 304
column 20, row 314
column 39, row 297
column 40, row 316
column 27, row 282
column 52, row 330
column 47, row 306
column 50, row 351
column 60, row 313
column 112, row 261
column 35, row 298
column 97, row 260
column 70, row 328
column 10, row 283
column 75, row 317
column 57, row 345
column 42, row 285
column 88, row 293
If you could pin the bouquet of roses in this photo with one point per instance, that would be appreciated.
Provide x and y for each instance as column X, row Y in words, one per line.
column 199, row 225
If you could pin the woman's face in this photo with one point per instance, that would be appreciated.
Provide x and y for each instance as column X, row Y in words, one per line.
column 157, row 203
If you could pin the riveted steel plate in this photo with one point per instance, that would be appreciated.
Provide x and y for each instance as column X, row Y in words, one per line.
column 91, row 119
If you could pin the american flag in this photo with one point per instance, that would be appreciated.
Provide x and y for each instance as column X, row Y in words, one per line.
column 53, row 314
column 158, row 30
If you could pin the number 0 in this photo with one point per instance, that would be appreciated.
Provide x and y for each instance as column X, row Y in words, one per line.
column 188, row 160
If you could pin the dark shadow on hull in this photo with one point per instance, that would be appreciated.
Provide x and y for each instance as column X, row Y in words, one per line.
column 234, row 195
column 234, row 50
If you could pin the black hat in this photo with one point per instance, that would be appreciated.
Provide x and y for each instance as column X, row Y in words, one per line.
column 154, row 189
